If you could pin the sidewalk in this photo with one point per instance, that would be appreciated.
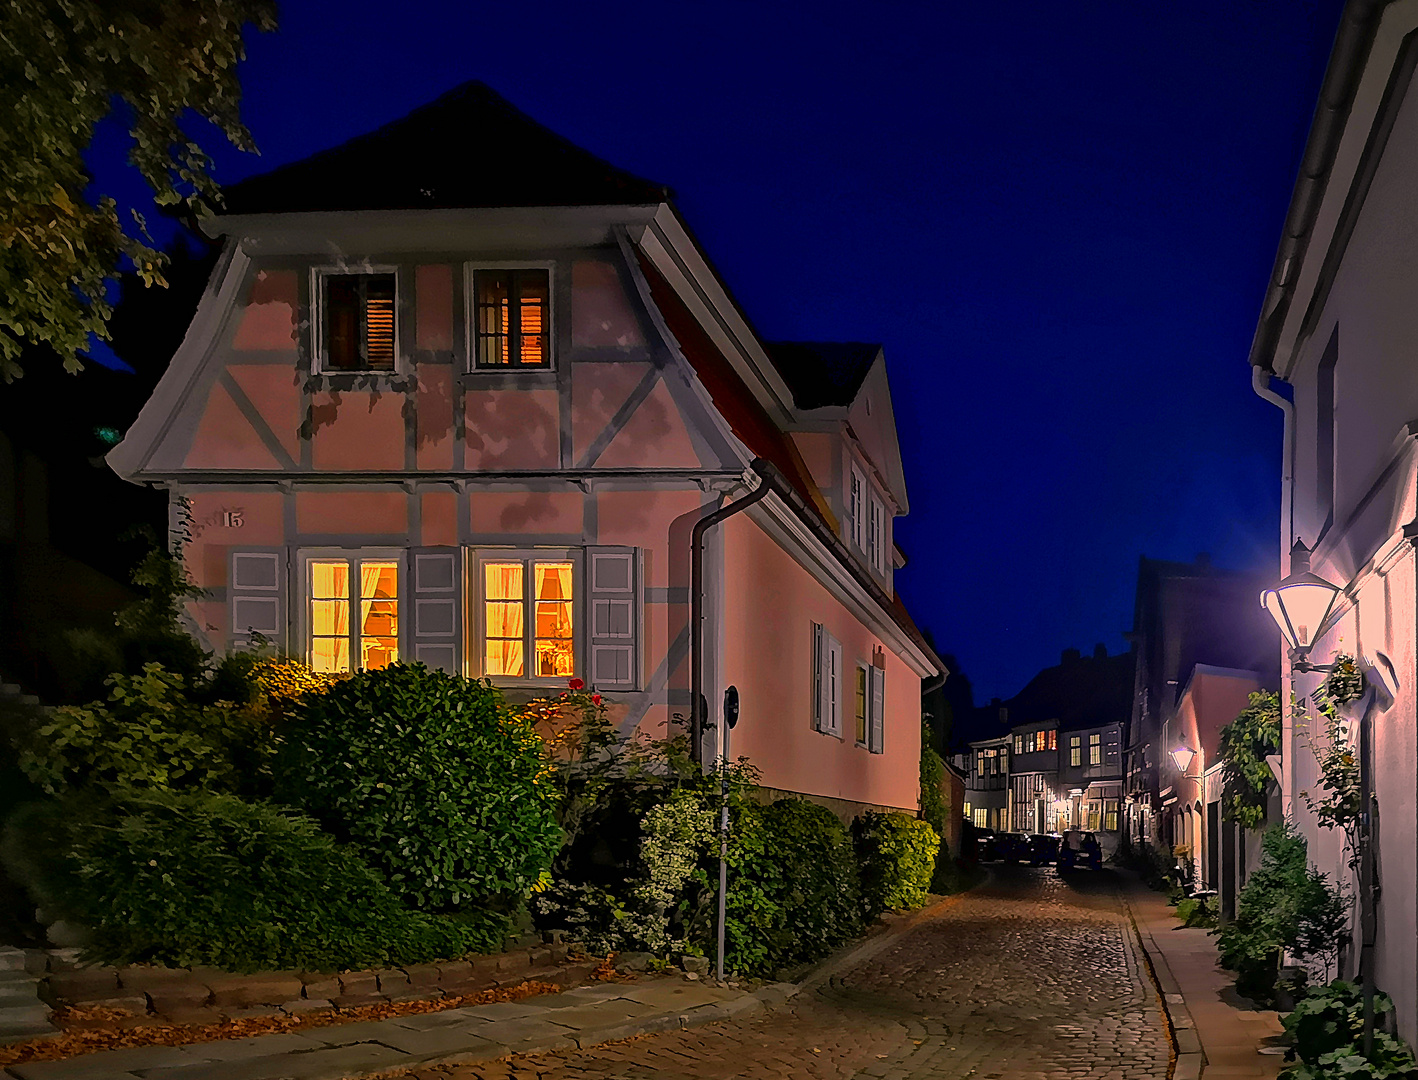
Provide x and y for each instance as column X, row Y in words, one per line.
column 1215, row 1039
column 578, row 1018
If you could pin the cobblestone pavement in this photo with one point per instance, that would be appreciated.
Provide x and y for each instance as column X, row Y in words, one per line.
column 1031, row 977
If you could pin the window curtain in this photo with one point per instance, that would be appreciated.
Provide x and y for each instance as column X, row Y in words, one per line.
column 506, row 628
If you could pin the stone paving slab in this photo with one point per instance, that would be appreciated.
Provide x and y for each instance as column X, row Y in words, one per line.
column 578, row 1018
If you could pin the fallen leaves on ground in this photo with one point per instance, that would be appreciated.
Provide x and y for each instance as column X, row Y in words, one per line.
column 70, row 1043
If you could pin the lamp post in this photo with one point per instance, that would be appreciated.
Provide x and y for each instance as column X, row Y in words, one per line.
column 1301, row 606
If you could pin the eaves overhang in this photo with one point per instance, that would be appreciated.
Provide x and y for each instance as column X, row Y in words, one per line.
column 465, row 231
column 1323, row 196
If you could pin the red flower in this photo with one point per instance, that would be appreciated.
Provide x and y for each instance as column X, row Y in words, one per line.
column 595, row 699
column 576, row 684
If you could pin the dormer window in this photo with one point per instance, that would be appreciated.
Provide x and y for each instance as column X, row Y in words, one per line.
column 358, row 322
column 512, row 319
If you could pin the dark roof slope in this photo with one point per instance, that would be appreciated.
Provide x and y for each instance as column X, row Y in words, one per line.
column 469, row 148
column 822, row 373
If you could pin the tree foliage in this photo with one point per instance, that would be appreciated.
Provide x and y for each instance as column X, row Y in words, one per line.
column 1245, row 743
column 65, row 65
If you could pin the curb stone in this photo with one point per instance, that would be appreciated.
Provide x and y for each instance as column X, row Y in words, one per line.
column 1191, row 1060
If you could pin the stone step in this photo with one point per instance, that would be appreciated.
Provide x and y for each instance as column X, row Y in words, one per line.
column 12, row 959
column 24, row 1022
column 18, row 994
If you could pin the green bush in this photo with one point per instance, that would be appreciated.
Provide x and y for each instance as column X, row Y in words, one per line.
column 1197, row 911
column 196, row 879
column 1245, row 743
column 1326, row 1027
column 155, row 732
column 932, row 775
column 896, row 855
column 793, row 892
column 1286, row 905
column 434, row 780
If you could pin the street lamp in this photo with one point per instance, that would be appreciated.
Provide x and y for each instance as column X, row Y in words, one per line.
column 1183, row 755
column 1301, row 605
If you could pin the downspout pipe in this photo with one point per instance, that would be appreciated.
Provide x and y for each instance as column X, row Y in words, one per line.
column 697, row 719
column 1260, row 383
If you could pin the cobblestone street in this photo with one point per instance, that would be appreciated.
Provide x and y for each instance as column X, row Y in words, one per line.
column 1030, row 976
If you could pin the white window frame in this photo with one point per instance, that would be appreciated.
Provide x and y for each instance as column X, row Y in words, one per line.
column 876, row 533
column 477, row 613
column 470, row 315
column 1095, row 748
column 353, row 556
column 1075, row 751
column 318, row 358
column 826, row 682
column 856, row 507
column 862, row 672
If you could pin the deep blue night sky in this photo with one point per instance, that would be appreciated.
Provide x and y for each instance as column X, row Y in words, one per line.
column 1058, row 218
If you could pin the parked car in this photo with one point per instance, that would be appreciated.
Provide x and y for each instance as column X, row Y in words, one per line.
column 1044, row 848
column 986, row 845
column 1012, row 846
column 1080, row 848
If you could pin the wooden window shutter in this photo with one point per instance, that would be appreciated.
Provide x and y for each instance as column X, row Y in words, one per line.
column 436, row 593
column 877, row 728
column 256, row 595
column 613, row 617
column 819, row 676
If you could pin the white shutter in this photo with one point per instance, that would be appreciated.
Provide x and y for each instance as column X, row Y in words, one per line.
column 855, row 511
column 819, row 677
column 613, row 607
column 256, row 596
column 876, row 710
column 436, row 595
column 834, row 687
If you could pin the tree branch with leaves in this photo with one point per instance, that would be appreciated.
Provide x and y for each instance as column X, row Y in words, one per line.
column 65, row 65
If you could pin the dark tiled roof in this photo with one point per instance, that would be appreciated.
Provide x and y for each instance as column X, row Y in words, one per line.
column 822, row 373
column 469, row 148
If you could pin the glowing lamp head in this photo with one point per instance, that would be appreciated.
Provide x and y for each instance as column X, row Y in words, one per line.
column 1183, row 755
column 1301, row 603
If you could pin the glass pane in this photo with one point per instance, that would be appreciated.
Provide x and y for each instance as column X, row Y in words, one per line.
column 503, row 619
column 503, row 581
column 378, row 580
column 378, row 652
column 503, row 657
column 553, row 620
column 329, row 580
column 330, row 654
column 342, row 316
column 329, row 618
column 553, row 581
column 534, row 290
column 493, row 315
column 379, row 322
column 554, row 658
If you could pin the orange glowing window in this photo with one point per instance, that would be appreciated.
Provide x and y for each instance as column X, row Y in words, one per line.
column 542, row 647
column 513, row 318
column 359, row 322
column 336, row 586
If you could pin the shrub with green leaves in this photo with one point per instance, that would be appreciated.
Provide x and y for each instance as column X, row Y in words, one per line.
column 153, row 732
column 1326, row 1027
column 794, row 893
column 1245, row 744
column 1286, row 905
column 896, row 854
column 197, row 879
column 437, row 783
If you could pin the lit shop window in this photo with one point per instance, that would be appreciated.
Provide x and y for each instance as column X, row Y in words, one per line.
column 511, row 589
column 339, row 587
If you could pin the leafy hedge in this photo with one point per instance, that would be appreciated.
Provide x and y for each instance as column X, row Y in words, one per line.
column 896, row 855
column 197, row 879
column 793, row 891
column 431, row 777
column 1326, row 1027
column 1245, row 743
column 1286, row 906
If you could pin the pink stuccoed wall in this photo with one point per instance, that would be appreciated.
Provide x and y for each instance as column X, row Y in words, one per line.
column 771, row 605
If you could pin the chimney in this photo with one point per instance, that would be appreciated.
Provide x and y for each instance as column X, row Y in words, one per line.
column 1100, row 651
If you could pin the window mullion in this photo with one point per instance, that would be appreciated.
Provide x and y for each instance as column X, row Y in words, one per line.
column 356, row 644
column 529, row 616
column 514, row 320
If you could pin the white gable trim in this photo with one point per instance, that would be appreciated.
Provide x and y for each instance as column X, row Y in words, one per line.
column 171, row 394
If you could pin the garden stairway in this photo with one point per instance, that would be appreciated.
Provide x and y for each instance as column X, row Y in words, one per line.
column 22, row 1014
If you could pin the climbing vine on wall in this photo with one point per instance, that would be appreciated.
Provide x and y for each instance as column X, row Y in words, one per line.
column 1245, row 743
column 1335, row 800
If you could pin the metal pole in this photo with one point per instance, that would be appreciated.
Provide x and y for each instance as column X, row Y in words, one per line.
column 723, row 847
column 1366, row 883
